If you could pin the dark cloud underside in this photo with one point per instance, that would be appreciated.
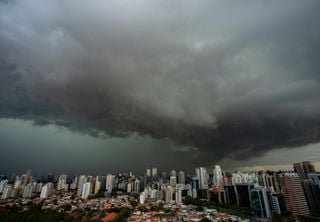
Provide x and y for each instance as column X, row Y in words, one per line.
column 228, row 79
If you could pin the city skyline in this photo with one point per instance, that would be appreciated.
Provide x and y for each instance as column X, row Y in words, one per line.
column 111, row 86
column 207, row 194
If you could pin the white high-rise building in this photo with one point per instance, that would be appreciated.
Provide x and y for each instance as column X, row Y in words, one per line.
column 86, row 190
column 129, row 187
column 74, row 184
column 173, row 181
column 173, row 173
column 97, row 185
column 82, row 180
column 46, row 190
column 154, row 172
column 27, row 191
column 39, row 187
column 17, row 183
column 217, row 176
column 137, row 186
column 182, row 178
column 62, row 183
column 24, row 179
column 3, row 184
column 202, row 175
column 7, row 192
column 169, row 194
column 148, row 172
column 240, row 177
column 142, row 198
column 109, row 183
column 178, row 195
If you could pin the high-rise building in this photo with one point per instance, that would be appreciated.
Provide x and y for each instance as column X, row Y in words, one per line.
column 163, row 175
column 109, row 183
column 7, row 192
column 303, row 169
column 173, row 181
column 148, row 172
column 46, row 190
column 312, row 193
column 202, row 175
column 27, row 191
column 39, row 187
column 244, row 194
column 3, row 184
column 169, row 194
column 17, row 183
column 195, row 183
column 142, row 198
column 181, row 178
column 315, row 177
column 260, row 203
column 231, row 195
column 62, row 183
column 97, row 184
column 178, row 195
column 173, row 173
column 217, row 176
column 154, row 172
column 294, row 196
column 217, row 194
column 278, row 205
column 86, row 190
column 82, row 180
column 136, row 186
column 129, row 187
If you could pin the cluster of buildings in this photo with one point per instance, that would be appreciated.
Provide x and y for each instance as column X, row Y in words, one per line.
column 265, row 193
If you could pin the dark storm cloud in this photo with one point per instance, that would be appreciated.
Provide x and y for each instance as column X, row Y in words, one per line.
column 227, row 79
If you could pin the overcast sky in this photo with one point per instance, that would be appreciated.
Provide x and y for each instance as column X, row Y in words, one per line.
column 97, row 86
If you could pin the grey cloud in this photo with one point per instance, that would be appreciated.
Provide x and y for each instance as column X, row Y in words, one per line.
column 231, row 79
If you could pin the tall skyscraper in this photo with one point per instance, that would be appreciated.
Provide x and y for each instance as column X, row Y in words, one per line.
column 154, row 172
column 181, row 179
column 278, row 204
column 217, row 176
column 173, row 181
column 244, row 194
column 46, row 190
column 109, row 183
column 27, row 191
column 315, row 177
column 202, row 175
column 81, row 181
column 217, row 195
column 148, row 172
column 7, row 192
column 178, row 195
column 231, row 194
column 294, row 196
column 169, row 194
column 86, row 190
column 303, row 169
column 173, row 173
column 260, row 202
column 97, row 184
column 136, row 186
column 142, row 198
column 62, row 183
column 3, row 184
column 312, row 193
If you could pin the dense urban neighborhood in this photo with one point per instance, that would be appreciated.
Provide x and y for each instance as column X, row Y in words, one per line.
column 206, row 195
